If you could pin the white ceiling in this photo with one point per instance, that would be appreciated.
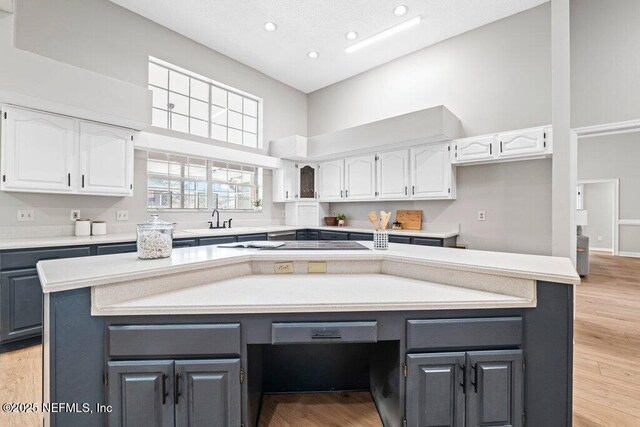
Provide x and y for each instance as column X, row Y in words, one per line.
column 236, row 29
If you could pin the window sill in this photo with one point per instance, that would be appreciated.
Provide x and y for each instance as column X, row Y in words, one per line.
column 248, row 211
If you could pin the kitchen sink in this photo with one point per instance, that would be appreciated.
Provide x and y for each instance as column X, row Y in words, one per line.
column 207, row 231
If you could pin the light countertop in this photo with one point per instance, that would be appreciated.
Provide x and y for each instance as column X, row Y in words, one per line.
column 64, row 274
column 41, row 242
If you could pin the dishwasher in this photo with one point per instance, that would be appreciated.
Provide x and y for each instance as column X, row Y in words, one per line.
column 282, row 235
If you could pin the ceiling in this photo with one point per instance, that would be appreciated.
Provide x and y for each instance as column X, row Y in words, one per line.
column 235, row 28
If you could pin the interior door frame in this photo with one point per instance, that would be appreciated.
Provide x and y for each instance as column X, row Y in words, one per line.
column 615, row 223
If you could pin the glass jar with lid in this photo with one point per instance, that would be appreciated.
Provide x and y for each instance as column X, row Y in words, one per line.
column 155, row 239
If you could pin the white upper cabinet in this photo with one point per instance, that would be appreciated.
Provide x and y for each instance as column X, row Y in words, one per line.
column 307, row 181
column 360, row 177
column 47, row 153
column 474, row 149
column 106, row 160
column 38, row 152
column 285, row 183
column 393, row 175
column 431, row 172
column 523, row 143
column 331, row 180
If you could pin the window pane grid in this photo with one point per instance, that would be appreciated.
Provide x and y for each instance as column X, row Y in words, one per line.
column 181, row 182
column 181, row 102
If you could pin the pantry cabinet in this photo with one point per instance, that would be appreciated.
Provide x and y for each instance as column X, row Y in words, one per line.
column 106, row 159
column 331, row 180
column 47, row 153
column 392, row 174
column 360, row 177
column 38, row 152
column 431, row 172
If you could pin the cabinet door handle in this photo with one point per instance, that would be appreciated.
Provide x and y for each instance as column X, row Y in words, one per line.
column 177, row 393
column 286, row 195
column 82, row 181
column 405, row 190
column 501, row 146
column 413, row 190
column 491, row 149
column 474, row 383
column 165, row 394
column 346, row 193
column 69, row 180
column 463, row 384
column 341, row 194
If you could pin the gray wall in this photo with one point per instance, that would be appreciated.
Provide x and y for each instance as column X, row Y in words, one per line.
column 598, row 201
column 103, row 37
column 494, row 78
column 605, row 61
column 616, row 156
column 516, row 197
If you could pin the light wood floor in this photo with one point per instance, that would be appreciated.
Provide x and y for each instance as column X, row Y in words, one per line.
column 607, row 344
column 606, row 365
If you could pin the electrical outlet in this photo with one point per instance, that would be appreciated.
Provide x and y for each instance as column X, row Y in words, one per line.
column 482, row 216
column 599, row 238
column 75, row 214
column 26, row 215
column 122, row 216
column 284, row 267
column 317, row 267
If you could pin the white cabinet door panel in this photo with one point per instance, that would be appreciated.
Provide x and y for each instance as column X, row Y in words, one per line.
column 106, row 160
column 431, row 171
column 360, row 177
column 290, row 182
column 37, row 151
column 524, row 142
column 474, row 149
column 393, row 175
column 331, row 180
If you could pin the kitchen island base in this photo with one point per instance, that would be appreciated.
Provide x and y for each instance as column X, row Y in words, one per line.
column 507, row 366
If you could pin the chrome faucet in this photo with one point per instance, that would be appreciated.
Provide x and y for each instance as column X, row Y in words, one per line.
column 215, row 214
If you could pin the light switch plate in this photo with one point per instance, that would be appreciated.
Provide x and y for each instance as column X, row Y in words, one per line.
column 74, row 215
column 317, row 267
column 122, row 215
column 26, row 215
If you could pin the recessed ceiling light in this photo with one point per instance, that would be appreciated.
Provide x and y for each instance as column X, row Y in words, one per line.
column 351, row 35
column 270, row 26
column 400, row 10
column 384, row 34
column 313, row 54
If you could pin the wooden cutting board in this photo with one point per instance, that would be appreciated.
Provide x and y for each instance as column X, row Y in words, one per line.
column 411, row 220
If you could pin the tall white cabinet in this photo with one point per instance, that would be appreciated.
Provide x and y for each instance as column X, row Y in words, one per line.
column 392, row 174
column 106, row 160
column 360, row 177
column 47, row 153
column 431, row 173
column 38, row 152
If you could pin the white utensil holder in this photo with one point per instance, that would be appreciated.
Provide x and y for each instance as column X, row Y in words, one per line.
column 380, row 239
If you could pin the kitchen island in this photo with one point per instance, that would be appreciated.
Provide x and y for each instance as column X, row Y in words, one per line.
column 439, row 336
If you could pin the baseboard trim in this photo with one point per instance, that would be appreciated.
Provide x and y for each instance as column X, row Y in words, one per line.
column 629, row 254
column 600, row 250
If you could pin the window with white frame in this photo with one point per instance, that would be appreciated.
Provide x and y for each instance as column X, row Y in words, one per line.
column 180, row 182
column 184, row 102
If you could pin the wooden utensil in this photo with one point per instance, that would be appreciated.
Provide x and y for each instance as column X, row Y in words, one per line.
column 384, row 219
column 374, row 219
column 411, row 220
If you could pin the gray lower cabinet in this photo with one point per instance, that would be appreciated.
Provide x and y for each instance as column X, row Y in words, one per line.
column 20, row 305
column 482, row 388
column 163, row 393
column 207, row 393
column 252, row 237
column 141, row 393
column 206, row 241
column 333, row 235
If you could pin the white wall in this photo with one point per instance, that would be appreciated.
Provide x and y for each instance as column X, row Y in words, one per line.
column 103, row 37
column 605, row 61
column 616, row 156
column 598, row 201
column 494, row 78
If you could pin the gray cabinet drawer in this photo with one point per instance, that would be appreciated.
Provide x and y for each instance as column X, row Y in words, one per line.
column 184, row 243
column 360, row 236
column 324, row 332
column 29, row 258
column 399, row 239
column 116, row 249
column 206, row 241
column 251, row 237
column 464, row 333
column 174, row 340
column 333, row 235
column 427, row 241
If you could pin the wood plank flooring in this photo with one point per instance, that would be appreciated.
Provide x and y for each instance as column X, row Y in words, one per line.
column 606, row 365
column 346, row 409
column 607, row 344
